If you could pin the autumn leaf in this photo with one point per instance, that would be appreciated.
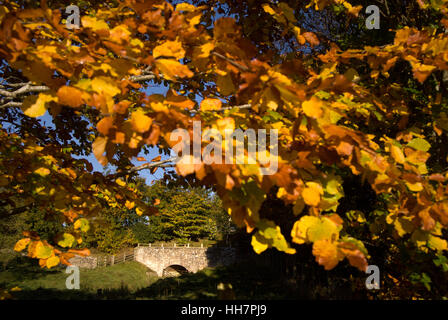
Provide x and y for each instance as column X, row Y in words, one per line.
column 210, row 104
column 94, row 23
column 82, row 224
column 313, row 108
column 98, row 147
column 172, row 69
column 66, row 240
column 52, row 262
column 22, row 244
column 140, row 122
column 70, row 96
column 312, row 193
column 37, row 106
column 169, row 49
column 105, row 85
column 327, row 253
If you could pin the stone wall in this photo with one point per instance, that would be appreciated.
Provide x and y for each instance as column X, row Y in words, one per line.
column 84, row 262
column 193, row 259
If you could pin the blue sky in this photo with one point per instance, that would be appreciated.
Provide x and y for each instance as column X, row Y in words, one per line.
column 47, row 121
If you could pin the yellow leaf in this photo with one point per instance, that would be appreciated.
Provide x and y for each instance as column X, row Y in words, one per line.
column 437, row 243
column 94, row 23
column 105, row 85
column 139, row 211
column 259, row 243
column 325, row 229
column 311, row 229
column 416, row 187
column 205, row 50
column 169, row 49
column 311, row 194
column 171, row 69
column 82, row 224
column 211, row 104
column 268, row 9
column 42, row 171
column 313, row 108
column 300, row 228
column 120, row 33
column 140, row 122
column 129, row 204
column 42, row 251
column 36, row 107
column 120, row 182
column 397, row 154
column 52, row 261
column 185, row 7
column 21, row 244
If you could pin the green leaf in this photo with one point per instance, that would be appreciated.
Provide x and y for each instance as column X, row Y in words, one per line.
column 67, row 240
column 419, row 144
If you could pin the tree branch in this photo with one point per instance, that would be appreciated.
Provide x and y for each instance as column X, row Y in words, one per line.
column 149, row 165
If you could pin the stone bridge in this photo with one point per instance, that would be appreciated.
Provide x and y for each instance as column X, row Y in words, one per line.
column 191, row 259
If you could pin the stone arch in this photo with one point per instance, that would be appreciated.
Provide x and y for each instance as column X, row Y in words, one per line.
column 174, row 270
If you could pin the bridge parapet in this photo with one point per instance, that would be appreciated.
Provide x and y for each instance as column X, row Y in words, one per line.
column 191, row 258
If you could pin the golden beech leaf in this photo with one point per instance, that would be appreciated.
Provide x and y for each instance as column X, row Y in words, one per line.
column 129, row 204
column 313, row 108
column 42, row 171
column 211, row 104
column 82, row 224
column 327, row 253
column 94, row 23
column 171, row 69
column 43, row 251
column 98, row 147
column 104, row 125
column 300, row 229
column 259, row 243
column 185, row 7
column 105, row 85
column 397, row 154
column 140, row 122
column 70, row 96
column 21, row 244
column 37, row 106
column 169, row 49
column 52, row 262
column 312, row 193
column 311, row 229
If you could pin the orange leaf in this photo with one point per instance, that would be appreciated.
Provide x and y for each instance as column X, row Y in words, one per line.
column 140, row 122
column 104, row 125
column 171, row 69
column 70, row 96
column 312, row 108
column 327, row 254
column 211, row 104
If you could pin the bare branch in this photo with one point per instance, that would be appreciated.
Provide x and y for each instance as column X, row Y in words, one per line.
column 149, row 165
column 243, row 106
column 231, row 61
column 11, row 104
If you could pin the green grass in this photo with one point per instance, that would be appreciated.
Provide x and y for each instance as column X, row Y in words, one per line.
column 117, row 280
column 132, row 280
